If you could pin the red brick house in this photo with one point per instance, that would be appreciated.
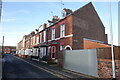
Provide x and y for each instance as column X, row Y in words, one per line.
column 67, row 33
column 8, row 49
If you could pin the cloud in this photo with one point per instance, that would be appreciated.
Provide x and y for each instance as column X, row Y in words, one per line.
column 14, row 33
column 9, row 20
column 15, row 12
column 24, row 11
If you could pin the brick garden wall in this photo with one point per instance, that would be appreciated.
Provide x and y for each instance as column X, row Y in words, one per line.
column 105, row 68
column 105, row 62
column 93, row 45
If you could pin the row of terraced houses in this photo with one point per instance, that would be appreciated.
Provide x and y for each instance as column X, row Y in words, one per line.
column 76, row 30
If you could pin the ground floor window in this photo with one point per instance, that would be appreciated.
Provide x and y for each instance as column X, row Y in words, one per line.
column 42, row 52
column 35, row 51
column 48, row 53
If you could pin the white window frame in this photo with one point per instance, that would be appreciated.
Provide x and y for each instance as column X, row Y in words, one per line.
column 40, row 37
column 31, row 40
column 42, row 52
column 53, row 34
column 35, row 51
column 48, row 53
column 44, row 36
column 34, row 40
column 37, row 40
column 62, row 30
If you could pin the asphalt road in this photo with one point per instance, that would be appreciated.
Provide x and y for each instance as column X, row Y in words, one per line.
column 17, row 69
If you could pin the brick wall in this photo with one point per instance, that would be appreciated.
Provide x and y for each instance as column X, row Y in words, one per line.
column 105, row 68
column 20, row 45
column 93, row 45
column 7, row 50
column 87, row 24
column 105, row 62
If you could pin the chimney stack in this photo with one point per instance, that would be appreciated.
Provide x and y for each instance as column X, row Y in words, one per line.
column 66, row 12
column 55, row 18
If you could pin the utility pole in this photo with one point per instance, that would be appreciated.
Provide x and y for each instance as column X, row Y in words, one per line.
column 3, row 46
column 111, row 39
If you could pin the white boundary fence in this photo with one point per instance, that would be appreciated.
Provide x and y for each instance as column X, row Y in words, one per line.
column 82, row 61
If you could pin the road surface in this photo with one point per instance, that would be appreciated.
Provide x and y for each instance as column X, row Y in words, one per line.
column 16, row 68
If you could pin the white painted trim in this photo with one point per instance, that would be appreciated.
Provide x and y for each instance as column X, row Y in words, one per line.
column 53, row 33
column 61, row 37
column 35, row 59
column 68, row 35
column 44, row 33
column 49, row 40
column 68, row 46
column 57, row 38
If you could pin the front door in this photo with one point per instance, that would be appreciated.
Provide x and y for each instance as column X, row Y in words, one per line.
column 53, row 52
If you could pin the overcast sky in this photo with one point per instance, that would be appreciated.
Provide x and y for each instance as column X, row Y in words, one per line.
column 20, row 18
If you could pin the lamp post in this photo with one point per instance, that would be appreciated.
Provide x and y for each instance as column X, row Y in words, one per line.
column 111, row 39
column 3, row 46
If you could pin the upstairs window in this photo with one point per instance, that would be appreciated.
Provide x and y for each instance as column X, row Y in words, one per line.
column 53, row 33
column 34, row 40
column 62, row 30
column 40, row 37
column 37, row 40
column 44, row 36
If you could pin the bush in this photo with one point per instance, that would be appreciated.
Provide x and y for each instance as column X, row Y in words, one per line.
column 49, row 60
column 45, row 58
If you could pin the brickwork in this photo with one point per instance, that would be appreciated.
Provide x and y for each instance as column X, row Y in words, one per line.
column 105, row 62
column 87, row 24
column 93, row 45
column 8, row 49
column 105, row 68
